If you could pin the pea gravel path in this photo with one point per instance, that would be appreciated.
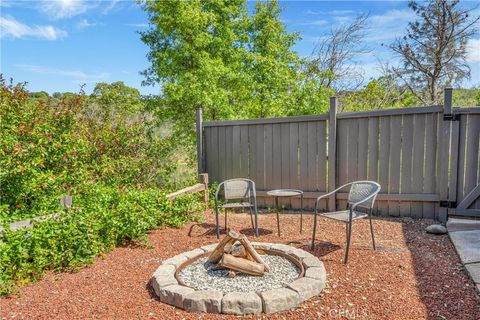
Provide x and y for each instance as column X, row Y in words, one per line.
column 413, row 276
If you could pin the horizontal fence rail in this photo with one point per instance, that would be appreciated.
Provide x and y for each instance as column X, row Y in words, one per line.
column 425, row 158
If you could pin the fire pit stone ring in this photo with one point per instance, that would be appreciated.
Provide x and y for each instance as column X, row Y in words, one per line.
column 170, row 290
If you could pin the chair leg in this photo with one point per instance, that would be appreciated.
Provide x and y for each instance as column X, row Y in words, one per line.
column 251, row 217
column 225, row 219
column 349, row 238
column 371, row 230
column 256, row 220
column 216, row 220
column 301, row 214
column 314, row 227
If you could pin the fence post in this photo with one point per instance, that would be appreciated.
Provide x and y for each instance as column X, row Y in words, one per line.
column 203, row 177
column 445, row 155
column 332, row 151
column 199, row 123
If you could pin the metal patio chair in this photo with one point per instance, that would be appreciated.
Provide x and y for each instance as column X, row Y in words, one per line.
column 242, row 194
column 362, row 194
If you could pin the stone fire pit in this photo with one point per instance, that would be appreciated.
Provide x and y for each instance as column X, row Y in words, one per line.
column 190, row 282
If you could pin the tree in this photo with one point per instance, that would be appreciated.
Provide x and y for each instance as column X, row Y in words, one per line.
column 433, row 51
column 273, row 66
column 110, row 100
column 213, row 55
column 197, row 49
column 381, row 93
column 331, row 60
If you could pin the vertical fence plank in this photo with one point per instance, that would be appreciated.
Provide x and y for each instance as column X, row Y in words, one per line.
column 322, row 156
column 303, row 158
column 430, row 180
column 221, row 153
column 362, row 149
column 269, row 166
column 383, row 157
column 294, row 165
column 312, row 156
column 260, row 160
column 394, row 180
column 445, row 153
column 406, row 165
column 244, row 150
column 236, row 172
column 311, row 182
column 277, row 157
column 342, row 160
column 418, row 162
column 229, row 152
column 373, row 149
column 471, row 167
column 332, row 150
column 353, row 140
column 461, row 159
column 285, row 134
column 252, row 153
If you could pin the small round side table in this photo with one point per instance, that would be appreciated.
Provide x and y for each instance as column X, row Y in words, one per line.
column 287, row 193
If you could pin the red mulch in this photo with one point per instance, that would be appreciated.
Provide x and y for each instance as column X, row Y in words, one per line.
column 413, row 275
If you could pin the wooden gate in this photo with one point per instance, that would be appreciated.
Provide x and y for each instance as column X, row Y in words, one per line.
column 465, row 172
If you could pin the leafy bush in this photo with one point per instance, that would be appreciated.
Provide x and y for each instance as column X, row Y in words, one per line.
column 102, row 218
column 113, row 163
column 50, row 148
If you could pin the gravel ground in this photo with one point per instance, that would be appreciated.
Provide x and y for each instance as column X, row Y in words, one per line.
column 204, row 275
column 413, row 275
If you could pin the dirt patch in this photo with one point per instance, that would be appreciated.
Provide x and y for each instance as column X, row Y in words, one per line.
column 413, row 275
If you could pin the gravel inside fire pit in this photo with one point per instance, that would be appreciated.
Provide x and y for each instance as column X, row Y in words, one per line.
column 202, row 275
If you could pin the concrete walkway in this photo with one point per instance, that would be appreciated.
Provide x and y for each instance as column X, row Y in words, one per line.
column 465, row 236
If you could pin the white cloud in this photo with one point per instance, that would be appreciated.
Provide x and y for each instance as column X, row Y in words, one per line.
column 473, row 50
column 137, row 25
column 77, row 75
column 11, row 28
column 315, row 23
column 331, row 12
column 84, row 23
column 60, row 9
column 389, row 25
column 110, row 6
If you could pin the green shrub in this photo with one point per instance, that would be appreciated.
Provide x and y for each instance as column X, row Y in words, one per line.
column 102, row 218
column 116, row 168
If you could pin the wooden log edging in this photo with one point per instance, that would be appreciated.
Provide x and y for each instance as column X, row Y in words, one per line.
column 67, row 200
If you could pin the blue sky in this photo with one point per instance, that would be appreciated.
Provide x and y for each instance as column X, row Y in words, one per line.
column 59, row 45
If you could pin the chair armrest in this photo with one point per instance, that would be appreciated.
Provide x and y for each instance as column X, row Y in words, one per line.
column 330, row 193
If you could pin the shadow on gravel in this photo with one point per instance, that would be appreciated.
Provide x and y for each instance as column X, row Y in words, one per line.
column 209, row 230
column 150, row 290
column 322, row 248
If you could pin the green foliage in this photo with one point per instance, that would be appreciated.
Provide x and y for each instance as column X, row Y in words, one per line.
column 113, row 100
column 381, row 93
column 466, row 97
column 102, row 218
column 213, row 55
column 115, row 166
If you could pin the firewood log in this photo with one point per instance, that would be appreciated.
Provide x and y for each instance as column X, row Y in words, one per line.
column 216, row 254
column 242, row 265
column 251, row 251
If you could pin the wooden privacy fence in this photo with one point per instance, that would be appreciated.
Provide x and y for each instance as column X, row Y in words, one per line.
column 425, row 158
